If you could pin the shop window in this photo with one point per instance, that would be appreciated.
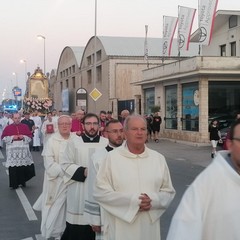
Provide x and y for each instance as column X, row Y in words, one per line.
column 190, row 107
column 171, row 107
column 149, row 96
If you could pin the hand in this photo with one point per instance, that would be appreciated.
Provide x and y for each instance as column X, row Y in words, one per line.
column 20, row 137
column 145, row 204
column 15, row 137
column 79, row 133
column 96, row 228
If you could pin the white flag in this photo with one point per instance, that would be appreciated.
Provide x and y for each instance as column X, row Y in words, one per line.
column 185, row 22
column 169, row 27
column 207, row 12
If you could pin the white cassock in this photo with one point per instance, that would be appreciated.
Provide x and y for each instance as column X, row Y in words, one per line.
column 37, row 133
column 210, row 207
column 52, row 201
column 92, row 212
column 77, row 155
column 122, row 178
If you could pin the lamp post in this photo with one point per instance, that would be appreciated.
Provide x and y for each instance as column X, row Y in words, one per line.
column 25, row 73
column 41, row 37
column 15, row 74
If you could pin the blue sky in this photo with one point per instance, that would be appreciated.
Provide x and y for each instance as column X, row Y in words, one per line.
column 71, row 23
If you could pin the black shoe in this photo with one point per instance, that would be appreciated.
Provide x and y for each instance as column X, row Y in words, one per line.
column 14, row 187
column 37, row 149
column 212, row 155
column 23, row 184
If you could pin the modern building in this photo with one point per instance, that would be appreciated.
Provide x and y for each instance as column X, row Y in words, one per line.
column 193, row 91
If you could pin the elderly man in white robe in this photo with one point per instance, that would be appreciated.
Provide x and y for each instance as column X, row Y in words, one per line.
column 75, row 164
column 52, row 201
column 133, row 186
column 210, row 209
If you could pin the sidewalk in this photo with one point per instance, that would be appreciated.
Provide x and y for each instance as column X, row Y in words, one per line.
column 198, row 154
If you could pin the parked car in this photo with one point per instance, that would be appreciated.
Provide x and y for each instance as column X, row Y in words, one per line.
column 224, row 120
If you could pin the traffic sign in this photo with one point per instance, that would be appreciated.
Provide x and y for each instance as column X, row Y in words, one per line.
column 95, row 94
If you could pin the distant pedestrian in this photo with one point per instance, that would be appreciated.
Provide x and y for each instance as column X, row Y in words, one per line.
column 156, row 122
column 215, row 136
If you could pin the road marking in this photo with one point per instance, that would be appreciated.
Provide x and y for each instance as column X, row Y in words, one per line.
column 39, row 237
column 26, row 205
column 1, row 155
column 28, row 238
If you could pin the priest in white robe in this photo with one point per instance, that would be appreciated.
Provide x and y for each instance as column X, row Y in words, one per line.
column 75, row 164
column 210, row 209
column 52, row 201
column 133, row 187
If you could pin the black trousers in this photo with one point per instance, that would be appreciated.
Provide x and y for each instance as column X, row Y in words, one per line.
column 75, row 232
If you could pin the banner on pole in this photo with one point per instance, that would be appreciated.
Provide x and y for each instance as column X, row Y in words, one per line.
column 207, row 12
column 169, row 27
column 185, row 21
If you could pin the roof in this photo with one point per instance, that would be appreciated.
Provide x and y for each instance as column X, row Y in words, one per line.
column 78, row 53
column 134, row 46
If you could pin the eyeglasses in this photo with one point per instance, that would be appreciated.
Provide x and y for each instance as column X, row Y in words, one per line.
column 64, row 124
column 138, row 129
column 115, row 131
column 91, row 124
column 236, row 138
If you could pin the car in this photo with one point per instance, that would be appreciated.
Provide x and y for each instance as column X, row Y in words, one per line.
column 224, row 120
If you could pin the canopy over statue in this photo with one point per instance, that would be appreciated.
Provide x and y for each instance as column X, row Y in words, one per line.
column 37, row 93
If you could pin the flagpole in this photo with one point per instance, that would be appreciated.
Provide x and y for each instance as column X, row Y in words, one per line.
column 146, row 46
column 199, row 45
column 163, row 42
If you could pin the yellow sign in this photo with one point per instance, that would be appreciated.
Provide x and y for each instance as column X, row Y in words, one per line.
column 95, row 94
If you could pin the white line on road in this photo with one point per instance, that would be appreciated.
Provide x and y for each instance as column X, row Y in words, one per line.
column 26, row 205
column 39, row 237
column 28, row 238
column 1, row 155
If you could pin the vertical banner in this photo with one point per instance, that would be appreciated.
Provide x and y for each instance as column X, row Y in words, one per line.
column 207, row 12
column 169, row 27
column 185, row 22
column 146, row 46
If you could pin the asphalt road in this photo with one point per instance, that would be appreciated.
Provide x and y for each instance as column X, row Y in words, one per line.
column 18, row 221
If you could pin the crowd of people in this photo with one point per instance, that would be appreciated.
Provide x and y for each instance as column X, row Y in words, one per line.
column 102, row 182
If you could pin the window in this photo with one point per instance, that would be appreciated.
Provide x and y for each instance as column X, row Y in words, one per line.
column 190, row 107
column 99, row 55
column 223, row 50
column 89, row 76
column 61, row 86
column 233, row 21
column 73, row 68
column 66, row 72
column 99, row 73
column 89, row 61
column 171, row 107
column 233, row 48
column 149, row 96
column 70, row 71
column 73, row 82
column 61, row 74
column 67, row 83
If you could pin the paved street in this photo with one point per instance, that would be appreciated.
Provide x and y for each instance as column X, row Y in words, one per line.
column 20, row 222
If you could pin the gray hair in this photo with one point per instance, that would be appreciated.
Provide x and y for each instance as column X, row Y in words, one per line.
column 133, row 116
column 64, row 116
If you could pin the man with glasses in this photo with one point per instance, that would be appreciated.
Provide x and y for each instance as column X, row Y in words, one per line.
column 114, row 132
column 75, row 164
column 210, row 207
column 133, row 186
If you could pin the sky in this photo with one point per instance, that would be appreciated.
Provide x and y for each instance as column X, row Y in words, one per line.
column 72, row 23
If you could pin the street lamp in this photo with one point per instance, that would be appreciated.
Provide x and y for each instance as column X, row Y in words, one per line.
column 41, row 37
column 25, row 66
column 15, row 74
